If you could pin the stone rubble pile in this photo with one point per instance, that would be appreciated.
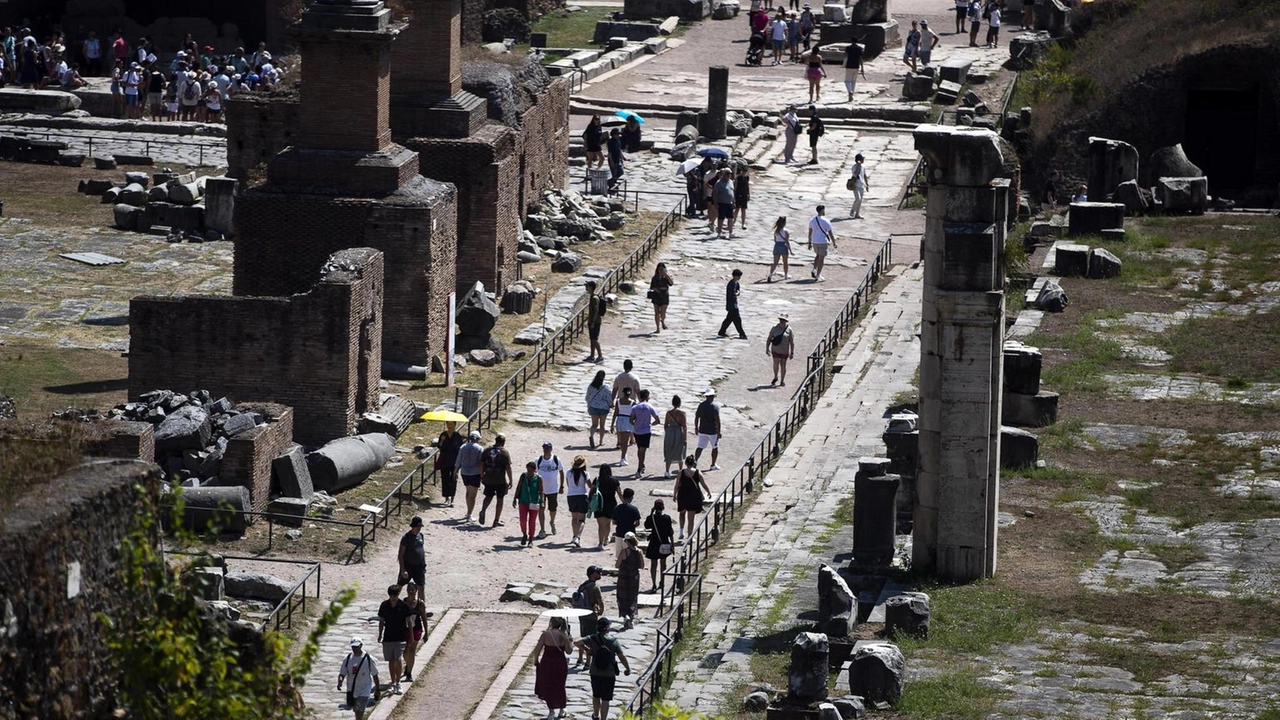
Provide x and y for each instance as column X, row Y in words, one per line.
column 164, row 199
column 564, row 218
column 192, row 431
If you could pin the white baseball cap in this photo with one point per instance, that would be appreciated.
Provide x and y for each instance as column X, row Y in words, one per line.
column 356, row 642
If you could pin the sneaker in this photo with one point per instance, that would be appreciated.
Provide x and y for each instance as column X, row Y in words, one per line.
column 541, row 535
column 722, row 335
column 714, row 467
column 667, row 475
column 468, row 519
column 814, row 273
column 395, row 689
column 821, row 279
column 640, row 470
column 481, row 517
column 553, row 528
column 786, row 277
column 576, row 542
column 769, row 278
column 622, row 462
column 499, row 523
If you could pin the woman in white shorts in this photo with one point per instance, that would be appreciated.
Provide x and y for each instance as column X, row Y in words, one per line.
column 621, row 423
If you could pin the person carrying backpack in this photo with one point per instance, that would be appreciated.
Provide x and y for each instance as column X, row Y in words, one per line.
column 606, row 653
column 495, row 465
column 588, row 597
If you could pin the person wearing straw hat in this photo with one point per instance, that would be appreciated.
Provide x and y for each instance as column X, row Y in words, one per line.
column 706, row 422
column 780, row 344
column 577, row 494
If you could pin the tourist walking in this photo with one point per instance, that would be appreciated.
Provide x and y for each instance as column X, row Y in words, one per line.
column 662, row 536
column 496, row 464
column 706, row 422
column 528, row 501
column 413, row 598
column 660, row 295
column 814, row 72
column 132, row 83
column 360, row 671
column 92, row 51
column 1028, row 14
column 630, row 562
column 621, row 426
column 781, row 249
column 288, row 696
column 593, row 139
column 928, row 41
column 472, row 470
column 605, row 492
column 778, row 36
column 626, row 520
column 395, row 619
column 793, row 38
column 791, row 128
column 723, row 194
column 447, row 447
column 816, row 130
column 821, row 235
column 552, row 670
column 616, row 164
column 911, row 49
column 853, row 67
column 674, row 437
column 731, row 292
column 807, row 23
column 859, row 182
column 741, row 196
column 596, row 308
column 626, row 379
column 589, row 597
column 605, row 653
column 412, row 555
column 576, row 493
column 781, row 346
column 551, row 470
column 689, row 494
column 642, row 417
column 975, row 21
column 962, row 10
column 599, row 403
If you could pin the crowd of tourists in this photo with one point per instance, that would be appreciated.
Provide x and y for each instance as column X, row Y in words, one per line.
column 193, row 83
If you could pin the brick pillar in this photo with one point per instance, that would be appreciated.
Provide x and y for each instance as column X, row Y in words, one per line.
column 961, row 358
column 427, row 59
column 346, row 87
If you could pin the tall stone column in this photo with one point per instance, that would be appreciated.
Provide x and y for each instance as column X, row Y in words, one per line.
column 717, row 102
column 961, row 362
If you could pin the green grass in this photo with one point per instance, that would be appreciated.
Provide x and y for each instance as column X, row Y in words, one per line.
column 1090, row 354
column 566, row 29
column 1197, row 347
column 970, row 619
column 957, row 695
column 1176, row 556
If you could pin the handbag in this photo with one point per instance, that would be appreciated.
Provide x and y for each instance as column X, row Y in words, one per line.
column 664, row 549
column 594, row 505
column 535, row 506
column 851, row 184
column 650, row 294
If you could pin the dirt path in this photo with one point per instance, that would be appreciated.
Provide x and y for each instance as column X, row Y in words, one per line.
column 464, row 668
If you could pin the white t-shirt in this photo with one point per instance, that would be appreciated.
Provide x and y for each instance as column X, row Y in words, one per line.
column 359, row 672
column 549, row 470
column 779, row 29
column 821, row 229
column 131, row 82
column 189, row 94
column 859, row 177
column 142, row 54
column 224, row 85
column 994, row 20
column 572, row 487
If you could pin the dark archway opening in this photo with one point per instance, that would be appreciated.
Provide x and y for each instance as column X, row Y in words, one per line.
column 1222, row 135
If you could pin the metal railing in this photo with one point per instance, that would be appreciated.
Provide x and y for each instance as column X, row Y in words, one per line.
column 188, row 141
column 657, row 675
column 411, row 486
column 674, row 591
column 294, row 601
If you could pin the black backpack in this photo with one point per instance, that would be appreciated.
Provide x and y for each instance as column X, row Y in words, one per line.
column 605, row 657
column 580, row 600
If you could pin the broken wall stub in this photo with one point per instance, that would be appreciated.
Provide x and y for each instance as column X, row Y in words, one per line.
column 319, row 352
column 961, row 362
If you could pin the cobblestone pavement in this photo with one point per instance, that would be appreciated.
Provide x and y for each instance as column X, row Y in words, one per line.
column 163, row 148
column 779, row 541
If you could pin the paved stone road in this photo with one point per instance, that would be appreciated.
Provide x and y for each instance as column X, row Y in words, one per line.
column 163, row 148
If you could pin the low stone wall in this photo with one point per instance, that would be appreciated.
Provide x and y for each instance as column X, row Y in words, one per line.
column 247, row 461
column 58, row 572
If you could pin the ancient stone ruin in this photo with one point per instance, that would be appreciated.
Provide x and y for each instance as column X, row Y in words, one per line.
column 961, row 364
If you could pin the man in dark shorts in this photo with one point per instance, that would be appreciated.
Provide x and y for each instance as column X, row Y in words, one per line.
column 595, row 318
column 412, row 555
column 469, row 466
column 395, row 619
column 642, row 418
column 605, row 652
column 496, row 466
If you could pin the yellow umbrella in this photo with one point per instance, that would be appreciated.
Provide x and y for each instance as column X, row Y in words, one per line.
column 445, row 416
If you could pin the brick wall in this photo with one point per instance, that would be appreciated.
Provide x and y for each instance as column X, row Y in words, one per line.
column 124, row 439
column 426, row 57
column 283, row 239
column 319, row 352
column 346, row 93
column 486, row 170
column 247, row 461
column 543, row 144
column 56, row 665
column 258, row 127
